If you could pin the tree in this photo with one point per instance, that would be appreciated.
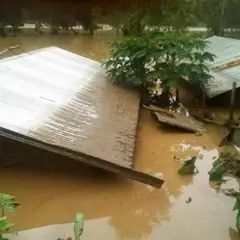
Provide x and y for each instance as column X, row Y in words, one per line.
column 219, row 15
column 168, row 56
column 177, row 14
column 232, row 14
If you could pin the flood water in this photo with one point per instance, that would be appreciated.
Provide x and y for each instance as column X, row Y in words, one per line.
column 52, row 189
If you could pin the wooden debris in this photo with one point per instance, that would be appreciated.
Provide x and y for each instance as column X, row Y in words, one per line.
column 227, row 163
column 160, row 110
column 176, row 119
column 188, row 166
column 207, row 117
column 231, row 133
column 231, row 192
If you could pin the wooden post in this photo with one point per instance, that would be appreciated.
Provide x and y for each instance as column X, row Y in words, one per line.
column 232, row 103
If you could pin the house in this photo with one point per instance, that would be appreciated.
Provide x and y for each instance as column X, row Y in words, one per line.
column 226, row 67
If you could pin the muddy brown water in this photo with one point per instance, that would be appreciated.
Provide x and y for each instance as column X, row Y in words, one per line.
column 52, row 189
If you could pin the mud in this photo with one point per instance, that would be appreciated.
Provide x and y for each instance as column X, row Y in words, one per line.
column 53, row 191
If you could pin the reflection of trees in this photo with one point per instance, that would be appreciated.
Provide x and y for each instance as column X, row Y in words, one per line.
column 142, row 210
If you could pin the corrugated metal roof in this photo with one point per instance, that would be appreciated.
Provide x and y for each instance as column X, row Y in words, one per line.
column 226, row 50
column 62, row 102
column 64, row 99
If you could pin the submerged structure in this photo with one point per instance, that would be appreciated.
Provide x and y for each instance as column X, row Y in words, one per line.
column 61, row 102
column 226, row 67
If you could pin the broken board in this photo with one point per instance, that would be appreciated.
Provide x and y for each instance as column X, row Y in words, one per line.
column 178, row 120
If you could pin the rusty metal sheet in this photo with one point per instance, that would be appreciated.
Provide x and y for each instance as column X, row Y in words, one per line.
column 65, row 100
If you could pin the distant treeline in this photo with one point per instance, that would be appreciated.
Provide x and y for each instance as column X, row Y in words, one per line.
column 129, row 17
column 54, row 13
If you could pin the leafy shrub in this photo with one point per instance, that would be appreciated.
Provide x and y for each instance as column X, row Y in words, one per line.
column 169, row 56
column 9, row 203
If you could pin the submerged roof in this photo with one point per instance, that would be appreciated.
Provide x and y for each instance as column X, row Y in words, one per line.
column 63, row 99
column 226, row 67
column 61, row 102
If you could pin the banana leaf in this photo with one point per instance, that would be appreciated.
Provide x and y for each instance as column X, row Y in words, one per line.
column 187, row 167
column 217, row 172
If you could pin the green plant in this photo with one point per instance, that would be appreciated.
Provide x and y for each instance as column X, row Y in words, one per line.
column 217, row 172
column 78, row 225
column 188, row 166
column 169, row 56
column 9, row 203
column 5, row 226
column 237, row 207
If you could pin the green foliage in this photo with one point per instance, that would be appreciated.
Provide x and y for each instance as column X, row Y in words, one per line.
column 130, row 21
column 9, row 203
column 217, row 172
column 78, row 225
column 127, row 61
column 238, row 223
column 5, row 225
column 219, row 15
column 177, row 14
column 237, row 204
column 188, row 167
column 169, row 56
column 237, row 207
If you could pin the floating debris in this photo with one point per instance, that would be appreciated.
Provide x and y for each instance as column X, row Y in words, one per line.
column 189, row 200
column 204, row 116
column 188, row 166
column 226, row 163
column 217, row 172
column 231, row 192
column 175, row 119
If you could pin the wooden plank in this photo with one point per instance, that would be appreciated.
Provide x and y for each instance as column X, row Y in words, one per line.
column 87, row 159
column 206, row 117
column 180, row 122
column 176, row 119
